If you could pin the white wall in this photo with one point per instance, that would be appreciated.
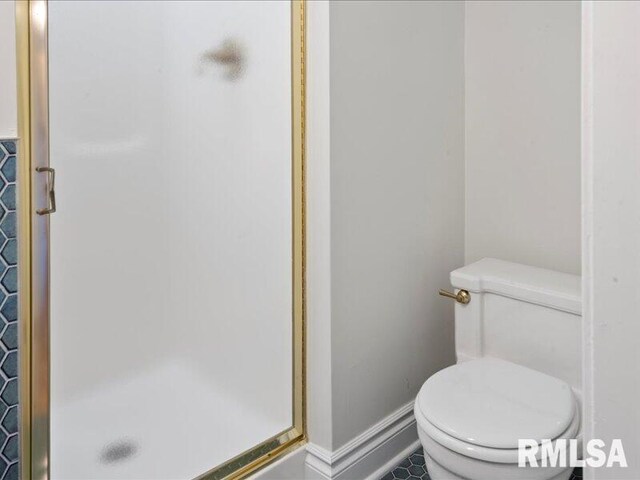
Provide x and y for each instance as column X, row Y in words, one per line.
column 522, row 135
column 319, row 412
column 611, row 129
column 8, row 100
column 397, row 212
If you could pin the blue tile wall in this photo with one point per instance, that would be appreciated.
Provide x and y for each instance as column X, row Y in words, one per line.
column 9, row 444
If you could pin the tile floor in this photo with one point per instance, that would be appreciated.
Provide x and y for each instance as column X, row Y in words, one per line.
column 413, row 468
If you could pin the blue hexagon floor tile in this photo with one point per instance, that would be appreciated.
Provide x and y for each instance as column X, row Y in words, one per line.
column 9, row 400
column 413, row 468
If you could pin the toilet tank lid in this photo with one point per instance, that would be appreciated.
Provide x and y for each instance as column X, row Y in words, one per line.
column 544, row 287
column 492, row 403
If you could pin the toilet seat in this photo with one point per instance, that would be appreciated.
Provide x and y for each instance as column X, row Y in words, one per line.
column 496, row 455
column 482, row 407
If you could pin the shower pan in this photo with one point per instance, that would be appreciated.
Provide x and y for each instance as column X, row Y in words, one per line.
column 161, row 237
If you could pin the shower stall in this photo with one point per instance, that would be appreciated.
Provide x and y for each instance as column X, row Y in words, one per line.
column 161, row 236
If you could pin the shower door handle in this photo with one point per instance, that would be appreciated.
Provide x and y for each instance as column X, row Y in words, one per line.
column 52, row 191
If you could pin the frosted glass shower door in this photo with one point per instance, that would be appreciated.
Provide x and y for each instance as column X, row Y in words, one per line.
column 171, row 250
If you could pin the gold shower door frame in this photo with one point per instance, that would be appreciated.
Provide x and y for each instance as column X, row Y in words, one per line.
column 33, row 252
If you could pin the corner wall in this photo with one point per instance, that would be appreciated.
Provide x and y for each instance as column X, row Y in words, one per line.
column 397, row 208
column 611, row 236
column 8, row 99
column 522, row 134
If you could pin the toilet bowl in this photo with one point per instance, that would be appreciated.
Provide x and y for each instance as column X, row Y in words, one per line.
column 513, row 380
column 470, row 417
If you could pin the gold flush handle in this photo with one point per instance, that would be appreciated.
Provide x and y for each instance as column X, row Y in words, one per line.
column 52, row 191
column 462, row 296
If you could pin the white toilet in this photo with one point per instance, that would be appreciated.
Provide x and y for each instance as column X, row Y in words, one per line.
column 518, row 376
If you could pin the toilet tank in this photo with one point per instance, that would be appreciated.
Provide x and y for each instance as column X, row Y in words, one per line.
column 526, row 315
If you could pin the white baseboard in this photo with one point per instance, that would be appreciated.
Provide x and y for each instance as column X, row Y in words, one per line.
column 372, row 453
